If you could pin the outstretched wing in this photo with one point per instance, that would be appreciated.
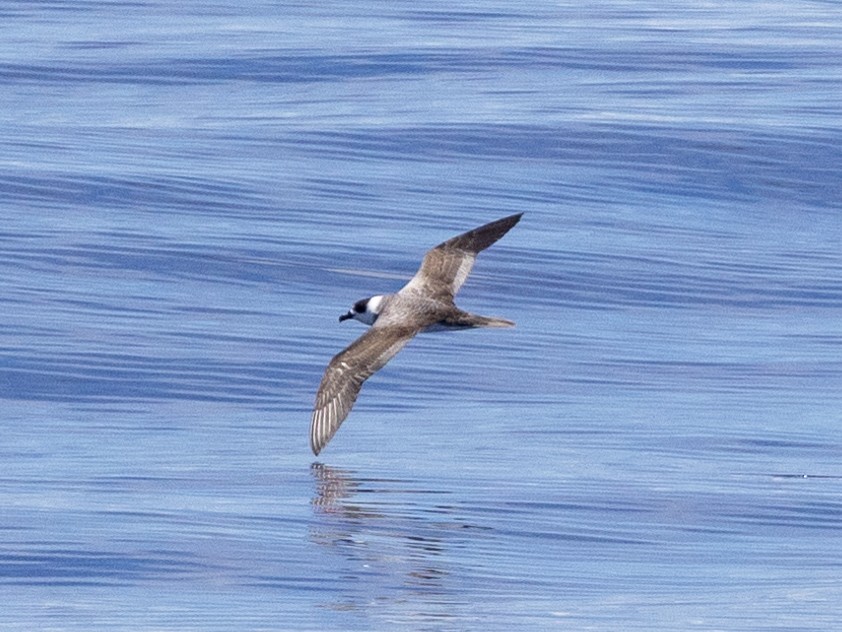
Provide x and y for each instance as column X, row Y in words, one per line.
column 345, row 375
column 446, row 266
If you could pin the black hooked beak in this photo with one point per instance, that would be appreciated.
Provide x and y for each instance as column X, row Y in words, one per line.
column 346, row 316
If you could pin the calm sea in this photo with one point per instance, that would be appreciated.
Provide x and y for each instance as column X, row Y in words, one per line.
column 192, row 192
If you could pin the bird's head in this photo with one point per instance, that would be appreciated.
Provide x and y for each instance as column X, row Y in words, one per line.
column 365, row 310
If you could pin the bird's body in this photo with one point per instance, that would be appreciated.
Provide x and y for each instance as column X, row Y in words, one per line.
column 425, row 303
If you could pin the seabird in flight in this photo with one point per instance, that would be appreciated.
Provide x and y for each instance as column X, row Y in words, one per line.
column 423, row 304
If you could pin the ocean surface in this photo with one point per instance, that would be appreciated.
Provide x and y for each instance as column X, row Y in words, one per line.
column 190, row 195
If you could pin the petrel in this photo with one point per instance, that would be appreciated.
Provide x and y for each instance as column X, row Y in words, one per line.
column 423, row 304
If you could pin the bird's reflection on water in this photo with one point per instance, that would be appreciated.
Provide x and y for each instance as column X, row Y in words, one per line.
column 394, row 540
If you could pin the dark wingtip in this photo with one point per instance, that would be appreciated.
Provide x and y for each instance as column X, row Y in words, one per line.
column 514, row 219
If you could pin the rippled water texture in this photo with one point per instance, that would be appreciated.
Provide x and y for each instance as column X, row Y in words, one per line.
column 191, row 194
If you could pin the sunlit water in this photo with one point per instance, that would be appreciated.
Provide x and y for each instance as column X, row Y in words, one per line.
column 191, row 194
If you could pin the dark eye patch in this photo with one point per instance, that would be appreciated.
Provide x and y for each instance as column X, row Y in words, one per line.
column 360, row 305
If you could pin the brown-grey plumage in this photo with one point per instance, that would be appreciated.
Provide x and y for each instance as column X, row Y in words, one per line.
column 345, row 375
column 446, row 266
column 423, row 304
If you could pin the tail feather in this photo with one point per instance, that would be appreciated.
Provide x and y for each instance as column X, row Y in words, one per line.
column 468, row 320
column 494, row 322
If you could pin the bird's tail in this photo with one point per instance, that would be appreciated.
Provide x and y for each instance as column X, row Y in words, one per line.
column 468, row 320
column 494, row 322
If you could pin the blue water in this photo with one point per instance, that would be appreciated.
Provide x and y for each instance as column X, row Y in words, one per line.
column 191, row 193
